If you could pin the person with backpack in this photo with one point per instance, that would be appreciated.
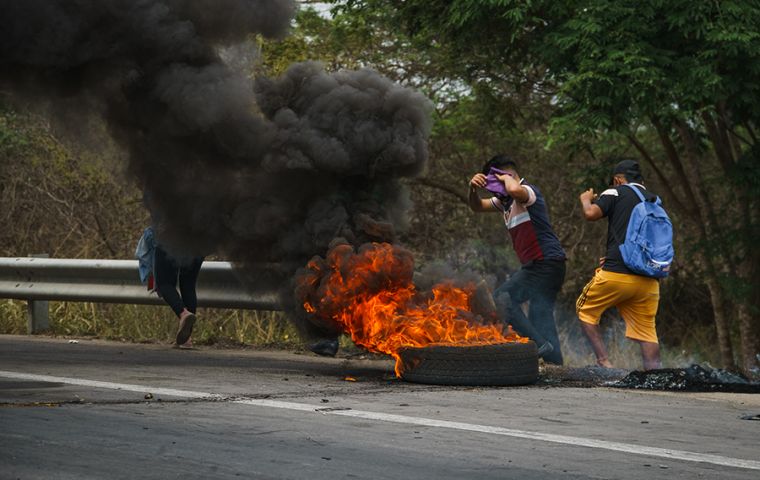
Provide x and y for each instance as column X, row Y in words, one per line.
column 538, row 249
column 639, row 252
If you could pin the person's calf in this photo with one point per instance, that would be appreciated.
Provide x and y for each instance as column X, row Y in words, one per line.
column 594, row 337
column 650, row 355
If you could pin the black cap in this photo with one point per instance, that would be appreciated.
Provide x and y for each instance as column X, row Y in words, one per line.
column 629, row 168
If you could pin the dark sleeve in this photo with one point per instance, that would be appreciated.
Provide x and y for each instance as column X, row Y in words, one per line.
column 607, row 200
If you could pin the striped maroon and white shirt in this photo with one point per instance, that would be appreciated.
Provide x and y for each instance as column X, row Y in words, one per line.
column 528, row 223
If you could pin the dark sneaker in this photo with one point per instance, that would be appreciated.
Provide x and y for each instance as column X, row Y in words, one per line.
column 545, row 349
column 185, row 329
column 326, row 348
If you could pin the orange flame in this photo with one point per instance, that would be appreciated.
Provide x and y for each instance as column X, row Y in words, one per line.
column 371, row 296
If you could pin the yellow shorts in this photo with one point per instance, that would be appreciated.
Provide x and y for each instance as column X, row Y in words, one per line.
column 635, row 297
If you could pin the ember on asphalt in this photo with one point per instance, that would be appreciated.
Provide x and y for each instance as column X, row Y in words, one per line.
column 695, row 378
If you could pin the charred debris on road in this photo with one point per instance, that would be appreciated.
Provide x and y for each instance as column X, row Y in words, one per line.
column 695, row 378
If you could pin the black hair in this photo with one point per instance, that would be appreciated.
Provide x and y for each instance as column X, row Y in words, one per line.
column 499, row 161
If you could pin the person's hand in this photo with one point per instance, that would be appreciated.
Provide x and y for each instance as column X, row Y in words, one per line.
column 588, row 196
column 601, row 261
column 509, row 181
column 479, row 180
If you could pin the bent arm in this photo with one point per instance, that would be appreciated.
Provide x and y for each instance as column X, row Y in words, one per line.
column 591, row 212
column 516, row 190
column 478, row 204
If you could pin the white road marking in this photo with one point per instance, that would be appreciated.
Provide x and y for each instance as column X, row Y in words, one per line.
column 408, row 420
column 109, row 385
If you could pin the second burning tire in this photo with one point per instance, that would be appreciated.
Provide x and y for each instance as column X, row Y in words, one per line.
column 472, row 365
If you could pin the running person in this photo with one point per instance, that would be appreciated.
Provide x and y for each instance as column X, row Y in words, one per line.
column 614, row 285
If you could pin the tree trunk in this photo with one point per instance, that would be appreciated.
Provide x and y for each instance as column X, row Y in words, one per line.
column 749, row 316
column 748, row 329
column 721, row 316
column 727, row 150
column 707, row 226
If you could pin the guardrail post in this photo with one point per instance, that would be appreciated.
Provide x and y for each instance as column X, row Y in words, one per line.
column 38, row 311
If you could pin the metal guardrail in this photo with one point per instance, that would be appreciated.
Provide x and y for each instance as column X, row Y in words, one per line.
column 38, row 280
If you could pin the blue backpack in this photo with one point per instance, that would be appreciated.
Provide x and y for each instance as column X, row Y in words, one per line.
column 648, row 246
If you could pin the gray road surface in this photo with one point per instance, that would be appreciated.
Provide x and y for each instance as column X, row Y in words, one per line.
column 79, row 410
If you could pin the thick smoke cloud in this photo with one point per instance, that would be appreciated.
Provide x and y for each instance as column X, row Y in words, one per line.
column 272, row 171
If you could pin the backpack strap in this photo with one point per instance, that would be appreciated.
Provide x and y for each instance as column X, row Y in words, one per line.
column 638, row 192
column 641, row 197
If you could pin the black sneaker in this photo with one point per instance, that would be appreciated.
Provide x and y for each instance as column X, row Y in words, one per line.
column 545, row 349
column 326, row 348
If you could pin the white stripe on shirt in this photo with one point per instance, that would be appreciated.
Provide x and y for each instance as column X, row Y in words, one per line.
column 518, row 219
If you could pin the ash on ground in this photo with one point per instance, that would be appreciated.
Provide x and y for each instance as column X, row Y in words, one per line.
column 696, row 378
column 579, row 377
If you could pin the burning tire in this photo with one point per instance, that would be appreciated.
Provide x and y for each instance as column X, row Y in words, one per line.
column 481, row 365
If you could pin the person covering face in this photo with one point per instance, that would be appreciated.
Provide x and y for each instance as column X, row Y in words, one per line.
column 526, row 219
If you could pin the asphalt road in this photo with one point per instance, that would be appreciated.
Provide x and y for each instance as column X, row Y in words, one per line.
column 96, row 409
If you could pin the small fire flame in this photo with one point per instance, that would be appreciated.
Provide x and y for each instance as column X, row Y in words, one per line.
column 371, row 296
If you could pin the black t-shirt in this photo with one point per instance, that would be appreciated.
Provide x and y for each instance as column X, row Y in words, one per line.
column 617, row 204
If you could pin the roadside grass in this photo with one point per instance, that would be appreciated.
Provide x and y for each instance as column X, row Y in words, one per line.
column 229, row 328
column 149, row 324
column 12, row 317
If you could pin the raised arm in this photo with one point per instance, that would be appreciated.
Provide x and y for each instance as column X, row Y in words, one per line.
column 476, row 203
column 515, row 190
column 591, row 211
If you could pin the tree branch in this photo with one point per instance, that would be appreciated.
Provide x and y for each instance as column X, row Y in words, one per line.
column 428, row 182
column 675, row 161
column 711, row 223
column 750, row 132
column 722, row 150
column 671, row 194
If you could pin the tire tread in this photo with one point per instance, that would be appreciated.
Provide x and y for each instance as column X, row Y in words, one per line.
column 479, row 365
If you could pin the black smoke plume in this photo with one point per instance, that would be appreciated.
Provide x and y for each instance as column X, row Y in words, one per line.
column 266, row 171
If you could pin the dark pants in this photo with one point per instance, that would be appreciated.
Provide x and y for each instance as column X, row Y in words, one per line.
column 538, row 283
column 168, row 271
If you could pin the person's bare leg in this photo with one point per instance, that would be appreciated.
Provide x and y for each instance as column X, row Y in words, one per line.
column 650, row 354
column 595, row 339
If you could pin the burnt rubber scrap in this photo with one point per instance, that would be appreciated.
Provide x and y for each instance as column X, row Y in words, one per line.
column 696, row 378
column 477, row 365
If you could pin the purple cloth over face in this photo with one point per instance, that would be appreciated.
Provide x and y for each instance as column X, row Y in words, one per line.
column 493, row 184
